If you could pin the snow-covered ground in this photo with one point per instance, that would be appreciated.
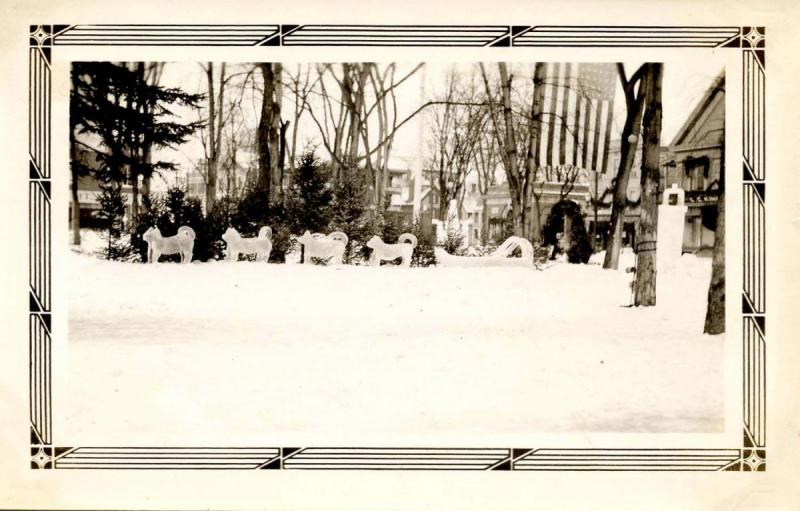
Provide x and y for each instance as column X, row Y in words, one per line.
column 260, row 350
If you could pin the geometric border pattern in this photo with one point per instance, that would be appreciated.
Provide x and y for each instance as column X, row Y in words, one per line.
column 749, row 456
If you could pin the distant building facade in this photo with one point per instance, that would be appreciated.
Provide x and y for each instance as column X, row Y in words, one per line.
column 89, row 192
column 193, row 182
column 694, row 161
column 697, row 163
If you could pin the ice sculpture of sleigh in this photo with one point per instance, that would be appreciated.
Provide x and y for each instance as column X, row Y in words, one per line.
column 502, row 256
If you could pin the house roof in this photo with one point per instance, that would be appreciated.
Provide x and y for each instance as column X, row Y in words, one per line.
column 716, row 88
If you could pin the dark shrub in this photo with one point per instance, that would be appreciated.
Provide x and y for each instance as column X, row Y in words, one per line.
column 351, row 214
column 580, row 245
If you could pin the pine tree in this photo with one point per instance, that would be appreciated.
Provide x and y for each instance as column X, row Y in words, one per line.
column 565, row 226
column 129, row 117
column 310, row 199
column 112, row 210
column 350, row 213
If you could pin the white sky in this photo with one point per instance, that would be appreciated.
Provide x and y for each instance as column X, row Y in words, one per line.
column 683, row 86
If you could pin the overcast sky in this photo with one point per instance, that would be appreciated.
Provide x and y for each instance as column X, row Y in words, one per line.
column 683, row 86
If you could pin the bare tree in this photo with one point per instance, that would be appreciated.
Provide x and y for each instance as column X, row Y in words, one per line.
column 634, row 102
column 354, row 98
column 236, row 137
column 212, row 144
column 271, row 131
column 223, row 129
column 486, row 167
column 383, row 85
column 457, row 127
column 300, row 85
column 520, row 177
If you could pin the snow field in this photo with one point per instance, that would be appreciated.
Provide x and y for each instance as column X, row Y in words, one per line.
column 261, row 350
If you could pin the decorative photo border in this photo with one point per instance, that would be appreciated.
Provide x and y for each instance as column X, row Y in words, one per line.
column 749, row 456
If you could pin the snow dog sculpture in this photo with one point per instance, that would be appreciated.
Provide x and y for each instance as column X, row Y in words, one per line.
column 158, row 245
column 261, row 245
column 319, row 246
column 500, row 257
column 381, row 251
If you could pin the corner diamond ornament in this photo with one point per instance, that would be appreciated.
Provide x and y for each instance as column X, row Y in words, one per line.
column 40, row 458
column 40, row 34
column 753, row 37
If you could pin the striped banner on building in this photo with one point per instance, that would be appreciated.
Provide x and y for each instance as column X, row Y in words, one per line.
column 578, row 115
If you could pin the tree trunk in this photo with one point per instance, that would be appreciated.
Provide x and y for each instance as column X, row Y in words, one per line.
column 715, row 313
column 485, row 222
column 533, row 232
column 211, row 160
column 76, row 207
column 263, row 133
column 646, row 239
column 134, row 196
column 516, row 218
column 628, row 146
column 146, row 188
column 510, row 150
column 356, row 104
column 282, row 159
column 276, row 165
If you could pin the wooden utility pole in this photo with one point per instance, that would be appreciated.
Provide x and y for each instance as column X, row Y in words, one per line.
column 647, row 237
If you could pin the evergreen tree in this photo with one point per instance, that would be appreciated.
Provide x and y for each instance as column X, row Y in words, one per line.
column 115, row 105
column 148, row 124
column 310, row 199
column 112, row 210
column 250, row 214
column 350, row 213
column 152, row 215
column 574, row 240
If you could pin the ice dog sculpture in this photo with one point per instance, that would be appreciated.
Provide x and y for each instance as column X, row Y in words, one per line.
column 319, row 246
column 261, row 245
column 381, row 251
column 158, row 245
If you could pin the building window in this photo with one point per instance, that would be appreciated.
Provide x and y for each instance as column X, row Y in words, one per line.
column 696, row 173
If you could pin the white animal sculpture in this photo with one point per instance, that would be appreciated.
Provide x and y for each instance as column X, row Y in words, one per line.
column 381, row 251
column 158, row 245
column 319, row 246
column 500, row 257
column 261, row 245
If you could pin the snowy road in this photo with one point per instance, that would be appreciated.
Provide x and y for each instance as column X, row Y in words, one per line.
column 265, row 351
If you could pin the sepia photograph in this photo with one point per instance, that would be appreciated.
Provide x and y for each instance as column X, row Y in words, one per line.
column 404, row 248
column 423, row 256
